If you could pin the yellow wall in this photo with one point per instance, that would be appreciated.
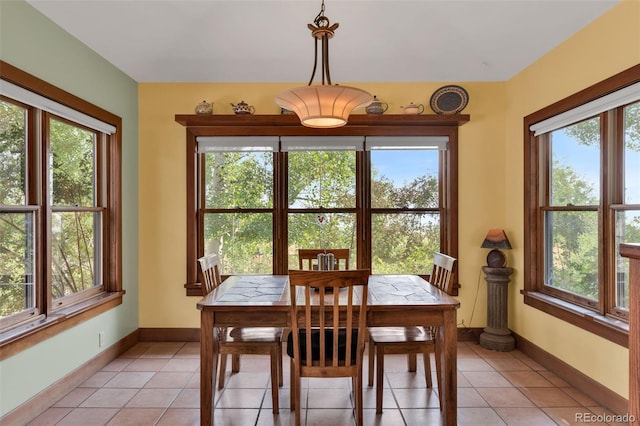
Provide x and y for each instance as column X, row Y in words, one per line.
column 162, row 184
column 604, row 48
column 490, row 187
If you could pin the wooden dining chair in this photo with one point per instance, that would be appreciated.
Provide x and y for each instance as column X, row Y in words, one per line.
column 308, row 258
column 236, row 341
column 328, row 329
column 410, row 340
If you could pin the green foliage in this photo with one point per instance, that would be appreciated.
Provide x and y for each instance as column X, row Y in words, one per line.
column 574, row 252
column 73, row 246
column 568, row 188
column 72, row 169
column 16, row 267
column 405, row 242
column 15, row 246
column 573, row 242
column 239, row 179
column 322, row 179
column 588, row 132
column 12, row 154
column 72, row 165
column 632, row 126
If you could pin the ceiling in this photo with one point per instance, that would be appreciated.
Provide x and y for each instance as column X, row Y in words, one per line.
column 268, row 40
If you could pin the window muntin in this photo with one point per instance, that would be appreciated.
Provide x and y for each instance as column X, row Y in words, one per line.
column 578, row 210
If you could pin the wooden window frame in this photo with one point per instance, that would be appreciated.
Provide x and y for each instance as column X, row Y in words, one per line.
column 287, row 125
column 49, row 319
column 599, row 318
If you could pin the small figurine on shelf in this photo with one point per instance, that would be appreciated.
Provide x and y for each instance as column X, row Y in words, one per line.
column 243, row 108
column 413, row 109
column 377, row 106
column 204, row 108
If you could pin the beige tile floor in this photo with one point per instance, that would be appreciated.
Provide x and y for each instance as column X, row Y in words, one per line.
column 158, row 384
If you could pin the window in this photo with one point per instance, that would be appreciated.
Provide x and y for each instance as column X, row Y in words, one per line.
column 388, row 198
column 405, row 203
column 582, row 180
column 237, row 203
column 59, row 204
column 321, row 194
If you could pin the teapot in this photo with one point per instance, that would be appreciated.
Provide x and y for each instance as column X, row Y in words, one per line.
column 413, row 109
column 376, row 106
column 204, row 108
column 243, row 108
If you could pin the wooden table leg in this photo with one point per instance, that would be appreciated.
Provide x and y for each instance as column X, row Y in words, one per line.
column 208, row 366
column 449, row 338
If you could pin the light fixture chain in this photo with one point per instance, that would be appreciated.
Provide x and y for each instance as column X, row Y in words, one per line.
column 320, row 16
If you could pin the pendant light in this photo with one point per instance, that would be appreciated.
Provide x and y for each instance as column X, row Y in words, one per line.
column 324, row 105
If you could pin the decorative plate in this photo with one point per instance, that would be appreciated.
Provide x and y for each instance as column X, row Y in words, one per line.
column 449, row 100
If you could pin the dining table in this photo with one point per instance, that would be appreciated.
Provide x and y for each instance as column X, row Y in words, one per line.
column 264, row 300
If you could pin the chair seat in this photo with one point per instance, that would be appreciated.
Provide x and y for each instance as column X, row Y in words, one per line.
column 389, row 335
column 253, row 335
column 315, row 345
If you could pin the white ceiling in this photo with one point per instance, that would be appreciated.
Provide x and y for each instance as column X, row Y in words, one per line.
column 268, row 40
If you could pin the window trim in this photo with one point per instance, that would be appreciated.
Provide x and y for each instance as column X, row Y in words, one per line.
column 604, row 325
column 49, row 321
column 286, row 125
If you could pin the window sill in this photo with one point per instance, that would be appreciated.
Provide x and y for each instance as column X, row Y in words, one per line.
column 193, row 289
column 35, row 331
column 606, row 327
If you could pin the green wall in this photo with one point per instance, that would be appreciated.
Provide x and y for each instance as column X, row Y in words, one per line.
column 33, row 43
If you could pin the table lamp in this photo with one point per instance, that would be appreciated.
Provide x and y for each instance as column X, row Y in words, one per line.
column 496, row 239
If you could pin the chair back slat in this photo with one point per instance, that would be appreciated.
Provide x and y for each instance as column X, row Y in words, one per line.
column 442, row 271
column 331, row 319
column 210, row 267
column 308, row 258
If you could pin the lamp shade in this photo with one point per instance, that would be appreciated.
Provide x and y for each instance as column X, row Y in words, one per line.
column 496, row 239
column 323, row 106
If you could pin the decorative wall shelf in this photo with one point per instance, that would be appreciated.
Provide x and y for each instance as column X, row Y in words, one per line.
column 289, row 125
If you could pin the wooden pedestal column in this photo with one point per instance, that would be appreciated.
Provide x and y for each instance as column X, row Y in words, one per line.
column 496, row 335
